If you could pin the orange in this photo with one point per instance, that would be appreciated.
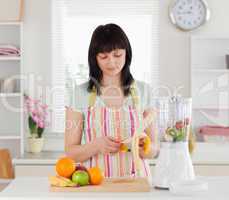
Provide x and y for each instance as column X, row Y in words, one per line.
column 65, row 167
column 96, row 176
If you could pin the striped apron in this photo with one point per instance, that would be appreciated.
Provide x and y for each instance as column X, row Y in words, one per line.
column 119, row 124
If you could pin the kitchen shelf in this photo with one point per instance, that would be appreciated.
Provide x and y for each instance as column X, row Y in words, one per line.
column 210, row 37
column 12, row 131
column 202, row 70
column 10, row 137
column 10, row 94
column 205, row 108
column 17, row 58
column 209, row 80
column 11, row 23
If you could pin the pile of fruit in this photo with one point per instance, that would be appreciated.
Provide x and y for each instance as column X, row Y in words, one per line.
column 178, row 132
column 71, row 175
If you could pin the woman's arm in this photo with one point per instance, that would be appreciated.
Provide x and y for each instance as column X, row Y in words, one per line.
column 73, row 136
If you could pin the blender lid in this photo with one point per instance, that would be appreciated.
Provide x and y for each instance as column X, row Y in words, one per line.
column 172, row 99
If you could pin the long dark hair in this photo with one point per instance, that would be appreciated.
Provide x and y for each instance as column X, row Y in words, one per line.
column 106, row 38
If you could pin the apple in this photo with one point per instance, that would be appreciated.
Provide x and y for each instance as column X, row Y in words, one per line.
column 179, row 125
column 80, row 177
column 80, row 168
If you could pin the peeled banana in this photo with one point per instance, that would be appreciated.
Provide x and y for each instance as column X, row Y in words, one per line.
column 60, row 181
column 147, row 145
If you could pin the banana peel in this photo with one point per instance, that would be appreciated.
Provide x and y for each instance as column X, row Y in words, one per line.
column 60, row 181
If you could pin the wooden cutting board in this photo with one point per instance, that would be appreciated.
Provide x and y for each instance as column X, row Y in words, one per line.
column 110, row 185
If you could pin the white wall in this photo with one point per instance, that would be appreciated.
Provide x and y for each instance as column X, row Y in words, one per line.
column 37, row 49
column 37, row 41
column 174, row 44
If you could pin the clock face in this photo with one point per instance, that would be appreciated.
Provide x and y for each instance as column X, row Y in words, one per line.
column 189, row 14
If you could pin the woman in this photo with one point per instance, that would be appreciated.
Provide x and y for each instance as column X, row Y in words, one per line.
column 109, row 108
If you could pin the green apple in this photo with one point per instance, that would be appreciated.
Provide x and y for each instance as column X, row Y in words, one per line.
column 80, row 177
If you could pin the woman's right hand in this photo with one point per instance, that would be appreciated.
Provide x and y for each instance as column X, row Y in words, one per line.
column 106, row 145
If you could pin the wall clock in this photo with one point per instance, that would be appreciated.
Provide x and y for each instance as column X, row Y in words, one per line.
column 189, row 14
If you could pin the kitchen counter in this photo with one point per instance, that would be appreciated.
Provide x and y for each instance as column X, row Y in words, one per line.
column 42, row 158
column 204, row 154
column 34, row 187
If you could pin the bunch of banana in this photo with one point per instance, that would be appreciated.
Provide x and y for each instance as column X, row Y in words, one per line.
column 61, row 181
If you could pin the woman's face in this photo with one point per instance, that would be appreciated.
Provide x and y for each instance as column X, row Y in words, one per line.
column 111, row 63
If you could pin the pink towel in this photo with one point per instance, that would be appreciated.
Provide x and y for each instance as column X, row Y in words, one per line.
column 214, row 130
column 9, row 50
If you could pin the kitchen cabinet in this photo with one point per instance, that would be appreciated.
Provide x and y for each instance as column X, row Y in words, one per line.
column 48, row 170
column 11, row 96
column 209, row 70
column 43, row 164
column 34, row 170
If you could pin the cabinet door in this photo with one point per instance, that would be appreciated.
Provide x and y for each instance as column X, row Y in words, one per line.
column 49, row 170
column 35, row 170
column 207, row 170
column 212, row 170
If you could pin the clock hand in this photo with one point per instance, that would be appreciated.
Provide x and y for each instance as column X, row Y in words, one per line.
column 188, row 12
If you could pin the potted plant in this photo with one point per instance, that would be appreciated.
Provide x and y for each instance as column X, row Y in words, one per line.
column 37, row 121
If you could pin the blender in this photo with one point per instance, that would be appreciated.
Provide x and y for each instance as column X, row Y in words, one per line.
column 174, row 162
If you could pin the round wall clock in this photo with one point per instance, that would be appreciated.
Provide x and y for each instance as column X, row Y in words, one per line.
column 189, row 14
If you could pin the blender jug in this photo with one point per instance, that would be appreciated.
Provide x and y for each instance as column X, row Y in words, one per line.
column 174, row 162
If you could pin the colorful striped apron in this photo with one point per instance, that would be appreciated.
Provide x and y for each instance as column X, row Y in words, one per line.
column 120, row 124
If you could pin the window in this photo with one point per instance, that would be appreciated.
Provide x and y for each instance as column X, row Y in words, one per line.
column 73, row 24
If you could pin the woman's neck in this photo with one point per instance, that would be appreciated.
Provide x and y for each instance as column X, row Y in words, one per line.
column 113, row 81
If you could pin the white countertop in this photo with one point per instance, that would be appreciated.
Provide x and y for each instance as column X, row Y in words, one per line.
column 204, row 154
column 34, row 187
column 42, row 158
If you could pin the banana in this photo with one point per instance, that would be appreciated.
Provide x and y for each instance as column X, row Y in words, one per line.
column 147, row 145
column 61, row 181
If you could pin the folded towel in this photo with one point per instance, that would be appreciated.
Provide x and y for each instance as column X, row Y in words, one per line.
column 9, row 50
column 214, row 130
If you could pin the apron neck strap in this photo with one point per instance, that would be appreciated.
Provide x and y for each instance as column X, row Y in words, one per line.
column 133, row 93
column 92, row 97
